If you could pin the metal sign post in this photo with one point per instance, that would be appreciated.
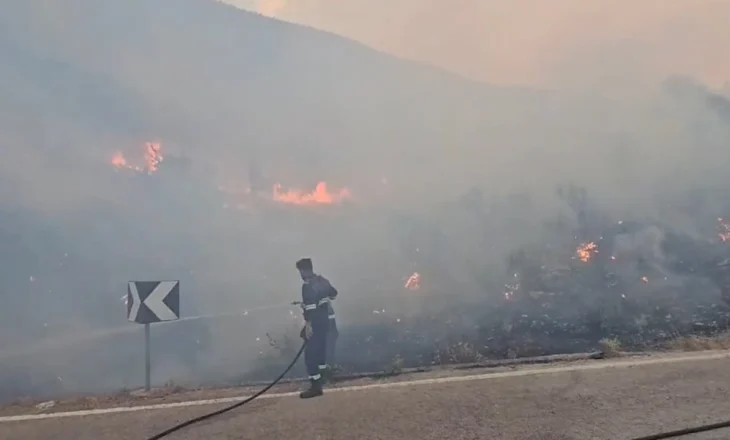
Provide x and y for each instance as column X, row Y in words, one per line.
column 149, row 302
column 147, row 359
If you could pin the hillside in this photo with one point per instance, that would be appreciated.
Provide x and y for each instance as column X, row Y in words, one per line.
column 209, row 77
column 234, row 94
column 132, row 132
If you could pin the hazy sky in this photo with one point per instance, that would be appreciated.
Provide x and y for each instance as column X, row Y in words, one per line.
column 531, row 41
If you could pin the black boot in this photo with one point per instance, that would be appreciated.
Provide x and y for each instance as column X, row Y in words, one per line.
column 315, row 390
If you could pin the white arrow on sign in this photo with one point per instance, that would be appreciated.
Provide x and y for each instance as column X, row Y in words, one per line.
column 135, row 301
column 155, row 301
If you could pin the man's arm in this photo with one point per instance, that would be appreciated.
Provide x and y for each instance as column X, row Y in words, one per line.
column 328, row 290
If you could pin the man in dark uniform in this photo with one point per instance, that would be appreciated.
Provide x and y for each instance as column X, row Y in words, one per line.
column 316, row 294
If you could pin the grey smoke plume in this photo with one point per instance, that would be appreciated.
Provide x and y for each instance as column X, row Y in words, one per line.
column 457, row 180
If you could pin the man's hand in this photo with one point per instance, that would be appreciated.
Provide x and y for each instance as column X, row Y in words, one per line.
column 308, row 330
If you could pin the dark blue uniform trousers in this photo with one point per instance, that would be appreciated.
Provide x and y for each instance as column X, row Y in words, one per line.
column 315, row 354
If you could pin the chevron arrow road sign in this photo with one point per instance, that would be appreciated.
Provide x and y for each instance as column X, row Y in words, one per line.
column 153, row 301
column 149, row 302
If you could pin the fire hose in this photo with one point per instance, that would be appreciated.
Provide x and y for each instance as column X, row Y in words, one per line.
column 235, row 405
column 686, row 431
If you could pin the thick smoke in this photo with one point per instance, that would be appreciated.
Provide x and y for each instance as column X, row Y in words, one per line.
column 485, row 191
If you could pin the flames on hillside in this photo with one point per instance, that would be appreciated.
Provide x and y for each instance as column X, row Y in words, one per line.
column 149, row 163
column 586, row 250
column 321, row 195
column 245, row 198
column 413, row 282
column 723, row 229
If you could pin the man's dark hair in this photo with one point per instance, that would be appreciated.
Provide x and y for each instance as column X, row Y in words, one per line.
column 305, row 264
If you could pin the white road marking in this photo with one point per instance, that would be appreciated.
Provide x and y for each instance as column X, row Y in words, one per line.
column 597, row 365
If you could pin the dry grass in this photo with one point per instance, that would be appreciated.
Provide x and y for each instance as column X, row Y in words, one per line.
column 611, row 347
column 396, row 365
column 696, row 343
column 459, row 353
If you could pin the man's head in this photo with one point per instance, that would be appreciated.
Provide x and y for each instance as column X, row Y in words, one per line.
column 305, row 268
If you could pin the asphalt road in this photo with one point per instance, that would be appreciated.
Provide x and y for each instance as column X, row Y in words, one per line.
column 581, row 401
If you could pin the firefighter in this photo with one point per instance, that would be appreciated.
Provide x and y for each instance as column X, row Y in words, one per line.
column 316, row 294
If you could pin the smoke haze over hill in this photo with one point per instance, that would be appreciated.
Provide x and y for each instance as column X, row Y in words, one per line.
column 532, row 42
column 278, row 141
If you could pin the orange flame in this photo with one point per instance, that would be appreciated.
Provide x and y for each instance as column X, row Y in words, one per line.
column 413, row 282
column 152, row 159
column 320, row 195
column 118, row 160
column 152, row 156
column 724, row 229
column 586, row 250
